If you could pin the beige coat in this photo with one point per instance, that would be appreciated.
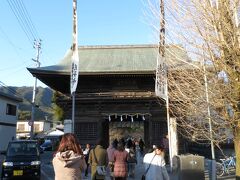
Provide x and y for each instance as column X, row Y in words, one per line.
column 102, row 158
column 68, row 166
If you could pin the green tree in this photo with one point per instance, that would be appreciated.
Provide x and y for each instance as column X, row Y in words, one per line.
column 24, row 115
column 58, row 113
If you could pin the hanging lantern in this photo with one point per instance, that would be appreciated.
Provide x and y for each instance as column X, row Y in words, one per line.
column 121, row 118
column 109, row 118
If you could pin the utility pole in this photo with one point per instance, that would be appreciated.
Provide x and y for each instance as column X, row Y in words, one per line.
column 162, row 76
column 37, row 46
column 164, row 73
column 162, row 30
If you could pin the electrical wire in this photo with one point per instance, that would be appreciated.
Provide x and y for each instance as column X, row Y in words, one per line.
column 20, row 12
column 19, row 21
column 24, row 15
column 29, row 19
column 15, row 93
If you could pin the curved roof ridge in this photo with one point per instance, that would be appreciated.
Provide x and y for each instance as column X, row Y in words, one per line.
column 125, row 46
column 117, row 46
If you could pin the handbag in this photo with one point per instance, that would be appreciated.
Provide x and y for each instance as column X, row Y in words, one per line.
column 111, row 166
column 101, row 170
column 144, row 175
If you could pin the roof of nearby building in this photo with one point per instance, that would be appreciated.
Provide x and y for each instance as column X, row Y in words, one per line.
column 117, row 59
column 11, row 97
column 56, row 132
column 26, row 121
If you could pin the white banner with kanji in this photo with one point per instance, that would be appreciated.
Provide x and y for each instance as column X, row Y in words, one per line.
column 161, row 78
column 75, row 58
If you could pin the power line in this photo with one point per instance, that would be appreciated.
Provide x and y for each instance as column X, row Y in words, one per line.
column 23, row 18
column 15, row 93
column 19, row 21
column 15, row 67
column 20, row 12
column 24, row 15
column 8, row 39
column 29, row 19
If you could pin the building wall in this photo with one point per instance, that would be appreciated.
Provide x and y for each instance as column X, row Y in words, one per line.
column 99, row 97
column 46, row 126
column 7, row 134
column 23, row 126
column 92, row 118
column 3, row 106
column 7, row 123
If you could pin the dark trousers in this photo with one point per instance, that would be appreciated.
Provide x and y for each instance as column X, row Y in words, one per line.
column 120, row 178
column 86, row 171
column 166, row 156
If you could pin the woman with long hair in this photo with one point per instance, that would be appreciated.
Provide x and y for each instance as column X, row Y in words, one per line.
column 120, row 162
column 68, row 161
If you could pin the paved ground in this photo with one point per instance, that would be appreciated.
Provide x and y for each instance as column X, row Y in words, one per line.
column 139, row 170
column 47, row 172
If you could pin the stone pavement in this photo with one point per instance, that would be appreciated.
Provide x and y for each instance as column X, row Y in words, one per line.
column 139, row 170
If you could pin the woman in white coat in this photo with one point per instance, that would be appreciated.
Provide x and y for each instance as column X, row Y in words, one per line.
column 155, row 165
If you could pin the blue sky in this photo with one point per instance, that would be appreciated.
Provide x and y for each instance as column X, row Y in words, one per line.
column 104, row 22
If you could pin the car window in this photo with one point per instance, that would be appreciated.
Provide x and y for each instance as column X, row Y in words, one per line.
column 47, row 143
column 22, row 148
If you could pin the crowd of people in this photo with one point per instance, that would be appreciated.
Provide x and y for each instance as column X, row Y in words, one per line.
column 118, row 160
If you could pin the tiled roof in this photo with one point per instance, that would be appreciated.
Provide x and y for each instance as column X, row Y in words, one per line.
column 118, row 59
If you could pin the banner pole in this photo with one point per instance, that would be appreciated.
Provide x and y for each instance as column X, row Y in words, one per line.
column 75, row 64
column 73, row 112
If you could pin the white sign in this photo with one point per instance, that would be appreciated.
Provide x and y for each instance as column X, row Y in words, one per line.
column 75, row 58
column 161, row 79
column 30, row 123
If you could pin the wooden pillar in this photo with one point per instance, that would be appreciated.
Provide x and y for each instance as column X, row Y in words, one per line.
column 147, row 137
